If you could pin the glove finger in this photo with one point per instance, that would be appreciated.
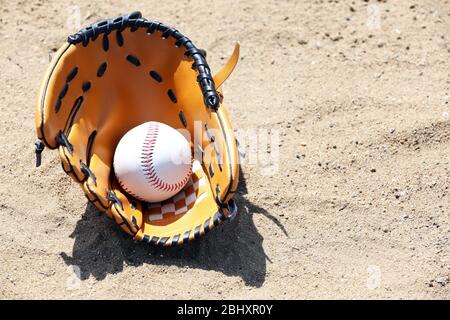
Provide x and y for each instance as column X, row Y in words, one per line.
column 125, row 210
column 60, row 92
column 102, row 188
column 97, row 168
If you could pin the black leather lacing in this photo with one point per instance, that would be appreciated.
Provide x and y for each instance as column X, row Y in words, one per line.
column 182, row 119
column 111, row 196
column 88, row 172
column 61, row 138
column 101, row 70
column 39, row 147
column 135, row 21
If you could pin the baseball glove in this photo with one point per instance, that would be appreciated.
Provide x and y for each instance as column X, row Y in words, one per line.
column 117, row 74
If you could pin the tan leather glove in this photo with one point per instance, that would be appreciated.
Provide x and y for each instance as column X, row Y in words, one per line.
column 117, row 74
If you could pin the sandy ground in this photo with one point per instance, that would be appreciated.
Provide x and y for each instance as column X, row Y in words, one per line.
column 358, row 92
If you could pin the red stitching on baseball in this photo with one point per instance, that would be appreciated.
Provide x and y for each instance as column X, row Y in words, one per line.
column 129, row 191
column 147, row 162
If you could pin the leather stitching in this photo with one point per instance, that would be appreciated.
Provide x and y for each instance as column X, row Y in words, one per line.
column 148, row 165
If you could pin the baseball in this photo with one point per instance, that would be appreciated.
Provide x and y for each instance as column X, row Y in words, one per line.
column 153, row 162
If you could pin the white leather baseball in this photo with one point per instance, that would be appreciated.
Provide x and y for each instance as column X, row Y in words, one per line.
column 153, row 162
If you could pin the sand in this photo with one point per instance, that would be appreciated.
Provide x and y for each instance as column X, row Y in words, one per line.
column 358, row 94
